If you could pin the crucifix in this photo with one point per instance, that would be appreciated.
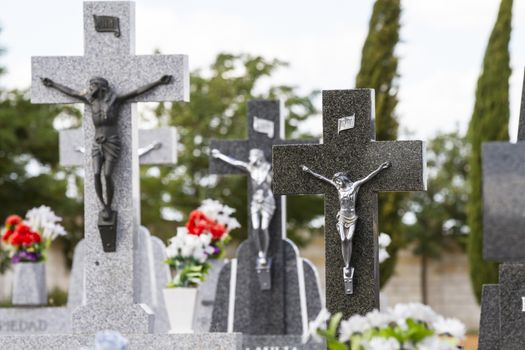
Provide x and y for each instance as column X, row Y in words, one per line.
column 349, row 168
column 260, row 274
column 115, row 78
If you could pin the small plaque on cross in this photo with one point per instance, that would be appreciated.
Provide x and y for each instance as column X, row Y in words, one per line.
column 345, row 123
column 264, row 126
column 107, row 24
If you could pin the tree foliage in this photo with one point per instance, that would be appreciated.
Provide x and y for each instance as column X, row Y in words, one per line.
column 489, row 122
column 379, row 71
column 218, row 109
column 439, row 213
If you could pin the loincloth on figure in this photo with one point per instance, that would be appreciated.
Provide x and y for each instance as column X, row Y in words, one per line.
column 262, row 204
column 346, row 219
column 108, row 148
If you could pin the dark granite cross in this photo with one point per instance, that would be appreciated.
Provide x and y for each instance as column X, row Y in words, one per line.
column 349, row 146
column 259, row 308
column 503, row 305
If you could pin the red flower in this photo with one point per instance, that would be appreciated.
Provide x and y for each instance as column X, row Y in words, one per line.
column 12, row 220
column 23, row 236
column 197, row 223
column 7, row 235
column 217, row 231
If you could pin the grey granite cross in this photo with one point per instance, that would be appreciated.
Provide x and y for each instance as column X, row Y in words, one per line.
column 243, row 303
column 349, row 146
column 503, row 305
column 110, row 299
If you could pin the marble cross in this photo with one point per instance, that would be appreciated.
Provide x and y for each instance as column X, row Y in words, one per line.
column 502, row 307
column 110, row 299
column 349, row 146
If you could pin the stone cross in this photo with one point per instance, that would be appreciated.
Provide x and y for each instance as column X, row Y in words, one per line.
column 349, row 146
column 110, row 299
column 503, row 307
column 156, row 146
column 259, row 308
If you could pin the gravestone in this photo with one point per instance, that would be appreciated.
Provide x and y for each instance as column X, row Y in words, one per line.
column 111, row 302
column 349, row 146
column 245, row 302
column 156, row 147
column 502, row 323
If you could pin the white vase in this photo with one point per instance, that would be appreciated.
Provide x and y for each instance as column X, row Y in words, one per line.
column 29, row 284
column 180, row 304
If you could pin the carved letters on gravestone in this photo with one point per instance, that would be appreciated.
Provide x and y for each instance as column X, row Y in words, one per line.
column 354, row 150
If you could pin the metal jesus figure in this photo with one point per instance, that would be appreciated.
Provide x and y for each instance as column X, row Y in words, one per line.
column 262, row 206
column 346, row 217
column 105, row 105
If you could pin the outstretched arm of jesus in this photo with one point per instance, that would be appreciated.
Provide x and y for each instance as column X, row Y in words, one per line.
column 319, row 176
column 164, row 80
column 373, row 173
column 64, row 89
column 215, row 153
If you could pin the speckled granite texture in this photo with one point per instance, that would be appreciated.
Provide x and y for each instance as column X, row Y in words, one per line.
column 278, row 342
column 209, row 341
column 355, row 152
column 503, row 201
column 275, row 311
column 489, row 324
column 111, row 302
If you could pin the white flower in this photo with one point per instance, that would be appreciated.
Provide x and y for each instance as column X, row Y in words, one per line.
column 378, row 343
column 189, row 246
column 383, row 255
column 384, row 240
column 355, row 324
column 220, row 213
column 436, row 343
column 378, row 319
column 318, row 323
column 45, row 221
column 415, row 311
column 449, row 326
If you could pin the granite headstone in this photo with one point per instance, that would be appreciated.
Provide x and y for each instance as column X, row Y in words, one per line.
column 241, row 305
column 502, row 322
column 349, row 146
column 111, row 303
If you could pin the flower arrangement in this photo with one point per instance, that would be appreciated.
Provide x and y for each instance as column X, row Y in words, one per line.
column 213, row 218
column 403, row 327
column 27, row 240
column 203, row 237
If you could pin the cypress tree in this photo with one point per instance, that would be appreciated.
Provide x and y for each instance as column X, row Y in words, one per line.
column 379, row 71
column 489, row 122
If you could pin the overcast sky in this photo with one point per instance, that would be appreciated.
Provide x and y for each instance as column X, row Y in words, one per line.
column 441, row 51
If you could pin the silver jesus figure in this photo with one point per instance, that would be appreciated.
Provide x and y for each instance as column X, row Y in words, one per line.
column 262, row 206
column 346, row 217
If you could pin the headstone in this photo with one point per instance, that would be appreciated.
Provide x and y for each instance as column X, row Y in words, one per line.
column 206, row 298
column 156, row 147
column 349, row 147
column 245, row 302
column 502, row 320
column 111, row 303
